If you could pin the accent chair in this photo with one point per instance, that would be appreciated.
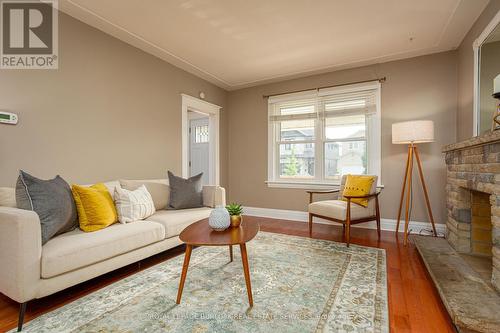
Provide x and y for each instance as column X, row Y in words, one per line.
column 345, row 211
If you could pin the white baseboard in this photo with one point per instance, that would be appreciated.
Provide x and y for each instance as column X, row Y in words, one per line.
column 295, row 215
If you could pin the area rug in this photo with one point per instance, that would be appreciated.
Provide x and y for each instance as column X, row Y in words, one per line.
column 299, row 285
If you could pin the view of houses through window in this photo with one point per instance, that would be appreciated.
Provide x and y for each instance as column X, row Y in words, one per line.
column 344, row 147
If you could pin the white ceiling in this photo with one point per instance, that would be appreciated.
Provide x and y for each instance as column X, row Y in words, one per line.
column 241, row 43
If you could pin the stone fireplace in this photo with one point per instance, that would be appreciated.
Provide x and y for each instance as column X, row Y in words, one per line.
column 465, row 267
column 473, row 201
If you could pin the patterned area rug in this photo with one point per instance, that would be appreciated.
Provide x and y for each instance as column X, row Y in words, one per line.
column 299, row 285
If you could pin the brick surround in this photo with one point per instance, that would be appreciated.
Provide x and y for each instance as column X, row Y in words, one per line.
column 474, row 166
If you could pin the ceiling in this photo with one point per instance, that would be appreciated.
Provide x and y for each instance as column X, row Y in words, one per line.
column 241, row 43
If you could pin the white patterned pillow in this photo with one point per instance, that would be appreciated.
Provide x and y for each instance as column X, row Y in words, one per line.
column 133, row 205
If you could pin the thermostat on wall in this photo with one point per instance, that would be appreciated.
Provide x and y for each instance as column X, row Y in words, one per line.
column 8, row 118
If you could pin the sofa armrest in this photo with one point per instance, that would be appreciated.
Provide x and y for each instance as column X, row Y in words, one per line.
column 20, row 253
column 214, row 195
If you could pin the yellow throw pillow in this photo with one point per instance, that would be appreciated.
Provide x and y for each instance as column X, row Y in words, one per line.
column 358, row 185
column 95, row 206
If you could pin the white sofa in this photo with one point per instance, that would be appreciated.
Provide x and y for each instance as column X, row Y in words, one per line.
column 30, row 270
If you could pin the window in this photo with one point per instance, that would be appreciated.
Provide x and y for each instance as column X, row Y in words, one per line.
column 317, row 136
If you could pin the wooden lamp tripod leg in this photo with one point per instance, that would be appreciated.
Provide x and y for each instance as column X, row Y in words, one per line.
column 403, row 191
column 408, row 193
column 427, row 202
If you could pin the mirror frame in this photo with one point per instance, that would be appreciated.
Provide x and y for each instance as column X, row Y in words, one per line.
column 477, row 63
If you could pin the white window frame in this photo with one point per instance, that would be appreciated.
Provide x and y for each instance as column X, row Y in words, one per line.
column 373, row 139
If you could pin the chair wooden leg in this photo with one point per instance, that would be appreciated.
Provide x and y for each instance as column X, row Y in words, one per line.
column 377, row 213
column 348, row 223
column 348, row 232
column 310, row 225
column 22, row 311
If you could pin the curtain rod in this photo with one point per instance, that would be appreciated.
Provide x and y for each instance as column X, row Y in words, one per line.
column 381, row 80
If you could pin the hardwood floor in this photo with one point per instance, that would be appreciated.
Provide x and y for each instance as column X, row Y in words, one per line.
column 414, row 305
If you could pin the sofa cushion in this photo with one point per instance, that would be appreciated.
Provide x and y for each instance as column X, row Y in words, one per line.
column 77, row 249
column 51, row 199
column 185, row 193
column 96, row 209
column 338, row 209
column 158, row 188
column 175, row 221
column 133, row 205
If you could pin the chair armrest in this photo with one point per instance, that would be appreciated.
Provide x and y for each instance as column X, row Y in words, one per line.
column 320, row 192
column 213, row 196
column 367, row 196
column 20, row 253
column 323, row 192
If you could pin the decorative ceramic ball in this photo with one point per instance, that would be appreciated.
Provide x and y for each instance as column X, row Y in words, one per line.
column 219, row 219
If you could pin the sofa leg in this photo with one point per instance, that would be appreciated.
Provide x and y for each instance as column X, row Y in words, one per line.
column 22, row 311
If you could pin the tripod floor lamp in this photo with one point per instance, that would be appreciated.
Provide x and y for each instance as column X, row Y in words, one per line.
column 413, row 133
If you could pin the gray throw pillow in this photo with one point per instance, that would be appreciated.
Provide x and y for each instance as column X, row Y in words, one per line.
column 185, row 193
column 51, row 200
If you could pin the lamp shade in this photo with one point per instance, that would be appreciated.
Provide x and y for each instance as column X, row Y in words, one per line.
column 417, row 131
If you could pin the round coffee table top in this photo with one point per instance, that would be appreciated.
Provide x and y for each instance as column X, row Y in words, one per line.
column 200, row 233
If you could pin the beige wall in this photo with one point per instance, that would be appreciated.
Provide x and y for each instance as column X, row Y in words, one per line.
column 110, row 111
column 466, row 71
column 417, row 88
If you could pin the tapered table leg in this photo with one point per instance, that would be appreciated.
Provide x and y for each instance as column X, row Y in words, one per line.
column 246, row 271
column 231, row 252
column 185, row 266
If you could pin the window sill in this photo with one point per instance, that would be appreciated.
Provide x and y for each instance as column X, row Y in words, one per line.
column 306, row 185
column 303, row 185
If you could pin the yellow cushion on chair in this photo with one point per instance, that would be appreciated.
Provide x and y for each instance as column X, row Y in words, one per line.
column 95, row 206
column 358, row 185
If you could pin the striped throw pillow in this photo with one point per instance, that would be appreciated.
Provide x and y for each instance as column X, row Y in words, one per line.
column 133, row 205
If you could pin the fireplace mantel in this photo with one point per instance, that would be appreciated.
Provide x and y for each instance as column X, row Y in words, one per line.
column 481, row 140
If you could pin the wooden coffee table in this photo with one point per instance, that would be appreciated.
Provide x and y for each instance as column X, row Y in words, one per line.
column 200, row 234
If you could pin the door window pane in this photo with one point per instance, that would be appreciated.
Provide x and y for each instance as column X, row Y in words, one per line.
column 345, row 127
column 296, row 160
column 201, row 134
column 297, row 130
column 344, row 157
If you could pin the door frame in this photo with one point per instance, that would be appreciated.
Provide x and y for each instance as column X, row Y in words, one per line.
column 190, row 103
column 197, row 119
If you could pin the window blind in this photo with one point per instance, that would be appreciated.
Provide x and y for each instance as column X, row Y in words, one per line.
column 326, row 104
column 349, row 103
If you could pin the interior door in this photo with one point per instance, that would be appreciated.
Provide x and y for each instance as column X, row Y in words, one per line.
column 199, row 148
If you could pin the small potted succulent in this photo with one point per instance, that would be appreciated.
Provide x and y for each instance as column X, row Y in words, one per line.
column 235, row 211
